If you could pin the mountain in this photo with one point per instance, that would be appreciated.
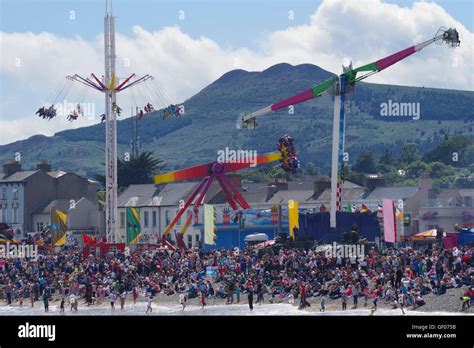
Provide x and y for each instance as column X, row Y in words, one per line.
column 209, row 123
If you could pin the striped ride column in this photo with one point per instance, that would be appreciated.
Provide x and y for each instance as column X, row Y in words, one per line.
column 339, row 197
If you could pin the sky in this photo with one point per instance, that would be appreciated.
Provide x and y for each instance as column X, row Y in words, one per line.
column 188, row 44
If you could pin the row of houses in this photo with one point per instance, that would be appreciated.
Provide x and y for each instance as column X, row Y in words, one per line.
column 28, row 197
column 159, row 205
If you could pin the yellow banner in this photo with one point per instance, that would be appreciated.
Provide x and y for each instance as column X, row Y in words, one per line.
column 58, row 227
column 293, row 220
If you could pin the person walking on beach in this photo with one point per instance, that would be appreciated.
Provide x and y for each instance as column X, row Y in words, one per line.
column 148, row 306
column 250, row 296
column 182, row 300
column 112, row 298
column 123, row 296
column 322, row 307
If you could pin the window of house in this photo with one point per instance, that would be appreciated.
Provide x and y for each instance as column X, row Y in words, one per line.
column 15, row 192
column 168, row 217
column 4, row 192
column 145, row 218
column 4, row 213
column 122, row 219
column 179, row 221
column 15, row 215
column 39, row 226
column 153, row 217
column 190, row 241
column 197, row 238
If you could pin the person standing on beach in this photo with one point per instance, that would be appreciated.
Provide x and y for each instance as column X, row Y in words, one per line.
column 203, row 299
column 46, row 303
column 134, row 295
column 322, row 304
column 182, row 300
column 61, row 306
column 123, row 296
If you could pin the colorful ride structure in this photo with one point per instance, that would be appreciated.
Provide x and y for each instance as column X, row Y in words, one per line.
column 216, row 171
column 339, row 86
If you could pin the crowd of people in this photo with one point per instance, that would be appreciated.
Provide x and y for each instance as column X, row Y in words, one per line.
column 397, row 277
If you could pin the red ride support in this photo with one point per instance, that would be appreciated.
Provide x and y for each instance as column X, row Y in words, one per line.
column 183, row 209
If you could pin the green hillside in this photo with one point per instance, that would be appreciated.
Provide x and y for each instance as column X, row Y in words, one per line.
column 211, row 114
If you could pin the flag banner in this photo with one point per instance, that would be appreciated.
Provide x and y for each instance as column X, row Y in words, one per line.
column 364, row 209
column 211, row 271
column 399, row 214
column 58, row 227
column 134, row 229
column 293, row 219
column 209, row 224
column 390, row 232
column 86, row 239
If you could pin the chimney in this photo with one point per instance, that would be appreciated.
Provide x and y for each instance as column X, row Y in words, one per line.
column 425, row 182
column 271, row 190
column 11, row 167
column 321, row 183
column 372, row 181
column 44, row 166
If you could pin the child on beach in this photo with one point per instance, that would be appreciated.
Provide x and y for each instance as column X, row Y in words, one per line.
column 322, row 307
column 148, row 306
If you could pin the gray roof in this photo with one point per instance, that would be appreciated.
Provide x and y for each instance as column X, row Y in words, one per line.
column 56, row 173
column 56, row 204
column 149, row 195
column 19, row 176
column 393, row 193
column 348, row 194
column 282, row 197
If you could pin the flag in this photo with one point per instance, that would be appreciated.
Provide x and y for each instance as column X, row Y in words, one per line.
column 355, row 209
column 134, row 230
column 349, row 208
column 399, row 214
column 379, row 209
column 364, row 209
column 86, row 239
column 112, row 83
column 58, row 227
column 293, row 217
column 209, row 224
column 389, row 223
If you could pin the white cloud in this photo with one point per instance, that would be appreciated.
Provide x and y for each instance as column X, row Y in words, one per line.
column 363, row 31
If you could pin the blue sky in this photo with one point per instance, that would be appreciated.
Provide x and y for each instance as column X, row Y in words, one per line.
column 215, row 37
column 230, row 23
